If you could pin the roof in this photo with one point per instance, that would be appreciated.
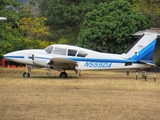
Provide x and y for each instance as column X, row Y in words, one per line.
column 3, row 18
column 152, row 30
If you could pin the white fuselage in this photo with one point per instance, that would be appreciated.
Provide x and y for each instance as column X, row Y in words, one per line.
column 91, row 60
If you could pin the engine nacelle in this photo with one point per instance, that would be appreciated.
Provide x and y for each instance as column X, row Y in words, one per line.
column 41, row 60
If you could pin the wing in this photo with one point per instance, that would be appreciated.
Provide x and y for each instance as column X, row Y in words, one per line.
column 57, row 63
column 62, row 64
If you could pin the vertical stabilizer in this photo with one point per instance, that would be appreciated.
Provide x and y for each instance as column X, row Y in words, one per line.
column 143, row 50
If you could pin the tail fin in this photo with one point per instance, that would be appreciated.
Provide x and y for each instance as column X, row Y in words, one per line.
column 143, row 50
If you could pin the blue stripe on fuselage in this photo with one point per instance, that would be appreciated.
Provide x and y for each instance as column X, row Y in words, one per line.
column 42, row 58
column 102, row 60
column 29, row 57
column 14, row 57
column 93, row 60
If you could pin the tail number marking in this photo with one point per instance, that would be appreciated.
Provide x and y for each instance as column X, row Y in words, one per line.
column 98, row 64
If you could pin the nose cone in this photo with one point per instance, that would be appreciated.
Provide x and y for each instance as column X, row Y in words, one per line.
column 8, row 55
column 14, row 56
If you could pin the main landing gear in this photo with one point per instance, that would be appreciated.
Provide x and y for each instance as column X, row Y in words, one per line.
column 63, row 75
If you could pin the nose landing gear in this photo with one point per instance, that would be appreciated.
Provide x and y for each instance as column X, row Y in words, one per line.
column 26, row 74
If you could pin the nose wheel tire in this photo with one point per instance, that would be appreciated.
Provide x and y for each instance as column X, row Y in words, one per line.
column 26, row 75
column 63, row 75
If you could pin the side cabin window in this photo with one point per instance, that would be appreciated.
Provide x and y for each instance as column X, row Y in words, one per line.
column 82, row 54
column 60, row 51
column 72, row 52
column 49, row 49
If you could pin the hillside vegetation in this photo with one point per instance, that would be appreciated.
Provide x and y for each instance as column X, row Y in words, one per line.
column 95, row 24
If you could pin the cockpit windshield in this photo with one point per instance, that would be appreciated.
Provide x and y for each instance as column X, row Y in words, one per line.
column 49, row 49
column 60, row 51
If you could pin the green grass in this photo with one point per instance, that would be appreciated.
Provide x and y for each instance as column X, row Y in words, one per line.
column 98, row 95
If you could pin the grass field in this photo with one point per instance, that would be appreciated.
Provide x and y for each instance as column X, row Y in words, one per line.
column 96, row 95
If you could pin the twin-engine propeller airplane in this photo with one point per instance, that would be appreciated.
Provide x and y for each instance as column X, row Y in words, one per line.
column 66, row 57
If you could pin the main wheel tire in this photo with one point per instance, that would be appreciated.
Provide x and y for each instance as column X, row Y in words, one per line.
column 26, row 75
column 63, row 75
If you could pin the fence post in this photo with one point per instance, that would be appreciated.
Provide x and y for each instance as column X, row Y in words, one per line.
column 136, row 75
column 154, row 77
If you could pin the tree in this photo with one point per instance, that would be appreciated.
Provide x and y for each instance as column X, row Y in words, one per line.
column 65, row 17
column 9, row 35
column 66, row 13
column 109, row 27
column 15, row 33
column 34, row 28
column 150, row 8
column 30, row 7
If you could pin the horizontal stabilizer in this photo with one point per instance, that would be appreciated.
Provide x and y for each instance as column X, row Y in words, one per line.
column 145, row 62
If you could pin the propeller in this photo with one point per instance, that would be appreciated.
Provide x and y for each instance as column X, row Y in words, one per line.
column 32, row 57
